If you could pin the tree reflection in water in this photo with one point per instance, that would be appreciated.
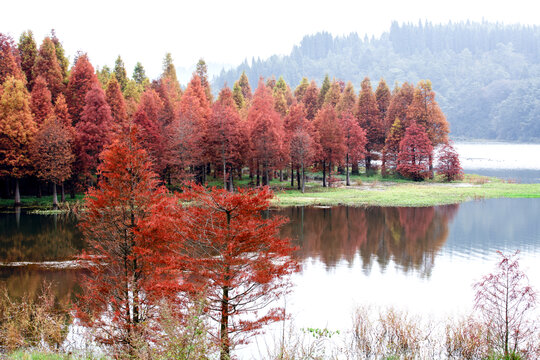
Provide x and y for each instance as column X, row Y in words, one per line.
column 410, row 237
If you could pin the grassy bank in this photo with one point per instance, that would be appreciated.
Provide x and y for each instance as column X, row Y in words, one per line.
column 364, row 191
column 407, row 193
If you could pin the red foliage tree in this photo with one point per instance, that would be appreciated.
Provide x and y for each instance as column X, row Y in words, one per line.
column 151, row 130
column 117, row 301
column 399, row 103
column 227, row 143
column 116, row 101
column 52, row 153
column 347, row 100
column 40, row 100
column 391, row 148
column 448, row 164
column 330, row 138
column 17, row 130
column 302, row 151
column 505, row 300
column 415, row 152
column 81, row 79
column 383, row 97
column 9, row 60
column 266, row 135
column 310, row 99
column 46, row 65
column 369, row 119
column 93, row 131
column 355, row 141
column 237, row 256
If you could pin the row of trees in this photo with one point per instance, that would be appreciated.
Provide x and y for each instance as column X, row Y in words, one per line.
column 55, row 122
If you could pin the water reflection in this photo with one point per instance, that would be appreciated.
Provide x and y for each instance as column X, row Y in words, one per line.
column 410, row 237
column 32, row 237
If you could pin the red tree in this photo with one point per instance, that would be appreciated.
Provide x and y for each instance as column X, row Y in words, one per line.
column 40, row 100
column 505, row 299
column 369, row 119
column 355, row 141
column 449, row 165
column 116, row 101
column 399, row 103
column 52, row 153
column 330, row 138
column 297, row 124
column 227, row 143
column 265, row 131
column 391, row 148
column 93, row 131
column 235, row 254
column 81, row 79
column 383, row 97
column 189, row 129
column 117, row 301
column 9, row 60
column 46, row 65
column 302, row 151
column 310, row 99
column 415, row 152
column 151, row 130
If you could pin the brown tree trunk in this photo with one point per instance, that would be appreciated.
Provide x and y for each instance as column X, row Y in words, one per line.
column 292, row 175
column 347, row 170
column 324, row 173
column 63, row 194
column 303, row 179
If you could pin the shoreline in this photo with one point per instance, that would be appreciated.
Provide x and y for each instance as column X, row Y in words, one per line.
column 364, row 191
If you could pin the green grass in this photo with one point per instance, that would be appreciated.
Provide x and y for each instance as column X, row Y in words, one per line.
column 407, row 193
column 39, row 355
column 43, row 203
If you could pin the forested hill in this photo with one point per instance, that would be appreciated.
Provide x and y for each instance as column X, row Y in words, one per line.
column 487, row 76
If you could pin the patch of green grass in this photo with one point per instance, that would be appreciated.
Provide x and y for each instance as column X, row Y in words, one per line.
column 406, row 194
column 41, row 355
column 44, row 202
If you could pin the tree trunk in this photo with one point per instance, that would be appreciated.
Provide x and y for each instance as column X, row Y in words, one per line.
column 324, row 173
column 347, row 170
column 298, row 178
column 72, row 189
column 231, row 182
column 303, row 179
column 54, row 196
column 355, row 170
column 329, row 174
column 63, row 194
column 292, row 175
column 258, row 175
column 17, row 193
column 280, row 175
column 224, row 174
column 39, row 194
column 368, row 164
column 224, row 330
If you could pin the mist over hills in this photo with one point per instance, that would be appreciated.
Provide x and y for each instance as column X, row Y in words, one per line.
column 486, row 75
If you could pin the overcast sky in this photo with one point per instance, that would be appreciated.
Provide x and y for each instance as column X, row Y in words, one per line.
column 228, row 31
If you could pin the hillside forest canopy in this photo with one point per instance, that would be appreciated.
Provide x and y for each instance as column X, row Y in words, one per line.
column 486, row 75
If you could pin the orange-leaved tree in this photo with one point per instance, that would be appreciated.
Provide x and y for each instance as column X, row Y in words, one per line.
column 117, row 302
column 229, row 251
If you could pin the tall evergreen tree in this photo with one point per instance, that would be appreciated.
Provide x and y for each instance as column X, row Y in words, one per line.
column 415, row 152
column 81, row 79
column 28, row 53
column 325, row 87
column 17, row 131
column 391, row 148
column 202, row 71
column 9, row 60
column 347, row 102
column 368, row 116
column 116, row 101
column 383, row 97
column 243, row 82
column 61, row 57
column 46, row 65
column 139, row 74
column 40, row 101
column 401, row 99
column 120, row 73
column 311, row 100
column 301, row 89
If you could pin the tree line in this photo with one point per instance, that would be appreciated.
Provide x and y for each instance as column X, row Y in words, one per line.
column 485, row 74
column 55, row 122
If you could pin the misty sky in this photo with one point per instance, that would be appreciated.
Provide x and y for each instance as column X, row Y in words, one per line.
column 227, row 32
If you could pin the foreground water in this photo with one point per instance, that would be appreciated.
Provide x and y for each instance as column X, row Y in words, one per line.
column 424, row 260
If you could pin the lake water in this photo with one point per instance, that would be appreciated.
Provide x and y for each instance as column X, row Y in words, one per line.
column 423, row 260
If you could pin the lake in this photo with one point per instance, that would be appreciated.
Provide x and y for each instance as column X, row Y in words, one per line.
column 423, row 260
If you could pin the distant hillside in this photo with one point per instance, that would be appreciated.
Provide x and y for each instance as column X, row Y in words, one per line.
column 487, row 76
